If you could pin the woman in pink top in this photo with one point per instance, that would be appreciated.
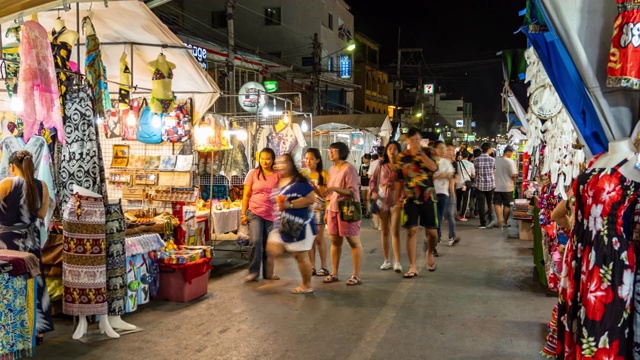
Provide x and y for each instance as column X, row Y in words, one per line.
column 257, row 211
column 381, row 188
column 343, row 183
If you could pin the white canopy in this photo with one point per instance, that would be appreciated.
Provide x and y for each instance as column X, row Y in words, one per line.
column 125, row 25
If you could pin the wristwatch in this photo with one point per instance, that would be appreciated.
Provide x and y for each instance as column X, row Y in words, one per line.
column 290, row 205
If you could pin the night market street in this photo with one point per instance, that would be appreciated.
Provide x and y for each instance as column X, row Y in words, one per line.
column 482, row 302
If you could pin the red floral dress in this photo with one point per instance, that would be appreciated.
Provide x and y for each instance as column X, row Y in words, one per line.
column 595, row 307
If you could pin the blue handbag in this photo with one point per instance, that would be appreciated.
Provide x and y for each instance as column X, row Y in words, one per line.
column 149, row 127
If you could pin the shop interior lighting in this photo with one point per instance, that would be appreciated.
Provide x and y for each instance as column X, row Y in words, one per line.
column 240, row 134
column 346, row 136
column 286, row 118
column 266, row 112
column 16, row 104
column 419, row 114
column 304, row 126
column 131, row 119
column 156, row 122
column 203, row 133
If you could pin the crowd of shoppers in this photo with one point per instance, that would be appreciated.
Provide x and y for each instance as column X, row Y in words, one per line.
column 287, row 210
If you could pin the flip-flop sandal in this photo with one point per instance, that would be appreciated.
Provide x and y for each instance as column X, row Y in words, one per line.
column 314, row 272
column 432, row 267
column 300, row 290
column 410, row 275
column 323, row 272
column 353, row 281
column 331, row 278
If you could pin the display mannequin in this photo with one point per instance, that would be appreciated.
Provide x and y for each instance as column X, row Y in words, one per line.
column 618, row 151
column 599, row 264
column 104, row 325
column 162, row 77
column 66, row 35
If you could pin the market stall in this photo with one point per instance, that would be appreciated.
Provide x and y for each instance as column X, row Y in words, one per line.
column 103, row 96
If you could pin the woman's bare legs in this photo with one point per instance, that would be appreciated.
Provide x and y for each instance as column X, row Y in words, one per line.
column 385, row 224
column 304, row 265
column 395, row 232
column 336, row 252
column 356, row 253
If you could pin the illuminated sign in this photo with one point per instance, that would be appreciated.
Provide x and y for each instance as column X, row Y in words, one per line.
column 251, row 97
column 459, row 123
column 428, row 89
column 199, row 53
column 271, row 86
column 345, row 66
column 473, row 124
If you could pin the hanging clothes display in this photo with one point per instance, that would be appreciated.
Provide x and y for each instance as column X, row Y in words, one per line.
column 81, row 158
column 235, row 160
column 288, row 140
column 12, row 54
column 84, row 270
column 96, row 71
column 622, row 67
column 61, row 55
column 42, row 170
column 15, row 214
column 116, row 277
column 124, row 94
column 37, row 85
column 597, row 286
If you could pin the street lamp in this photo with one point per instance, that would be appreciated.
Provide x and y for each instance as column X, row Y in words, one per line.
column 419, row 114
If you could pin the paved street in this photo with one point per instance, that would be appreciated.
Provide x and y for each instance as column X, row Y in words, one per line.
column 481, row 303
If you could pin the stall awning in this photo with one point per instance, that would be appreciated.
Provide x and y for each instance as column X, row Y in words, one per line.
column 357, row 121
column 129, row 26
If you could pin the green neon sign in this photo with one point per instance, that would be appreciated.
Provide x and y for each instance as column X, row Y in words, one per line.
column 271, row 86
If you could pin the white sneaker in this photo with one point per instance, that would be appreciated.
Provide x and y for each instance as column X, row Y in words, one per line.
column 397, row 267
column 386, row 265
column 454, row 240
column 492, row 224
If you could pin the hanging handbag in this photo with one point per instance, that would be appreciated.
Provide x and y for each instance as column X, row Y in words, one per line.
column 350, row 210
column 149, row 127
column 129, row 118
column 177, row 125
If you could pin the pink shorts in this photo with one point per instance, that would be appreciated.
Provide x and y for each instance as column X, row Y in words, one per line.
column 341, row 228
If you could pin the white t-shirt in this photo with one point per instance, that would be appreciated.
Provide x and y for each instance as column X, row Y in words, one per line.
column 505, row 169
column 466, row 170
column 442, row 185
column 372, row 167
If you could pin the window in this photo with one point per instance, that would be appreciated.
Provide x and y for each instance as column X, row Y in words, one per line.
column 219, row 19
column 330, row 21
column 459, row 108
column 272, row 16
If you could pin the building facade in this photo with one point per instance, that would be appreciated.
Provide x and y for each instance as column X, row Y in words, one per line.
column 372, row 97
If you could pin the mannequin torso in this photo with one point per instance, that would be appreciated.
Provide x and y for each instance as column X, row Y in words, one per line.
column 618, row 151
column 65, row 35
column 162, row 75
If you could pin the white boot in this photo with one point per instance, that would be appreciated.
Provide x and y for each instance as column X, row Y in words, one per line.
column 81, row 330
column 105, row 328
column 117, row 323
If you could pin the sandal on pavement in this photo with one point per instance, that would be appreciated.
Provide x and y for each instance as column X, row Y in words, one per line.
column 410, row 275
column 353, row 281
column 301, row 290
column 251, row 277
column 331, row 278
column 273, row 277
column 314, row 272
column 323, row 272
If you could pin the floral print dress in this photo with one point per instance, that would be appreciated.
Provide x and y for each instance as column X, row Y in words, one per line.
column 595, row 303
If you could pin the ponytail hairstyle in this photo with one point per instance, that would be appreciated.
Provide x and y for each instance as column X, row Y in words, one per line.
column 23, row 160
column 316, row 154
column 273, row 160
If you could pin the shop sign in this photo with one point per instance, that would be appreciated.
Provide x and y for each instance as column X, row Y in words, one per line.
column 270, row 85
column 199, row 53
column 251, row 97
column 357, row 141
column 345, row 66
column 459, row 123
column 473, row 124
column 427, row 89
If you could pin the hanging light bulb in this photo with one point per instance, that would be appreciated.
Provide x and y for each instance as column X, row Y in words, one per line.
column 156, row 122
column 16, row 104
column 303, row 126
column 242, row 135
column 286, row 118
column 131, row 119
column 99, row 120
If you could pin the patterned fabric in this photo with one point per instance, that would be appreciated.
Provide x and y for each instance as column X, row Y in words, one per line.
column 159, row 75
column 286, row 140
column 84, row 270
column 17, row 316
column 14, row 212
column 81, row 158
column 293, row 191
column 418, row 180
column 61, row 55
column 551, row 348
column 383, row 182
column 596, row 290
column 96, row 73
column 485, row 178
column 37, row 86
column 116, row 278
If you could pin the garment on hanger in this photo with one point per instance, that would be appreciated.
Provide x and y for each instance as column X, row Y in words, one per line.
column 96, row 73
column 597, row 287
column 124, row 93
column 235, row 160
column 15, row 212
column 84, row 270
column 116, row 277
column 12, row 54
column 285, row 141
column 37, row 85
column 61, row 55
column 81, row 158
column 42, row 170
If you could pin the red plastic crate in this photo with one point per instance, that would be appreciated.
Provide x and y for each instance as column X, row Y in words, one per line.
column 174, row 287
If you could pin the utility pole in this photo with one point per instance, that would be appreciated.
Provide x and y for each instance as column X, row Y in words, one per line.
column 398, row 79
column 316, row 75
column 231, row 7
